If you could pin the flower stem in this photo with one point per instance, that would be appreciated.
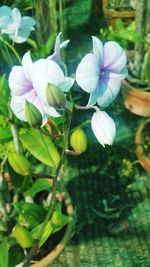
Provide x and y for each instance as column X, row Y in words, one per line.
column 86, row 107
column 35, row 247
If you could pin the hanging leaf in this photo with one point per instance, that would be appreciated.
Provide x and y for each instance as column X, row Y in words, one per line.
column 19, row 163
column 5, row 134
column 3, row 253
column 42, row 237
column 16, row 255
column 30, row 213
column 38, row 186
column 41, row 147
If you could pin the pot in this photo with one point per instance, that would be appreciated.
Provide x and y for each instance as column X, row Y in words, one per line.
column 48, row 259
column 112, row 15
column 136, row 99
column 143, row 158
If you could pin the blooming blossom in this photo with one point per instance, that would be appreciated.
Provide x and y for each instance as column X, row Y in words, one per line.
column 29, row 81
column 18, row 28
column 103, row 127
column 100, row 73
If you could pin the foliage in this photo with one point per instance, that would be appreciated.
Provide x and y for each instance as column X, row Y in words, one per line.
column 123, row 35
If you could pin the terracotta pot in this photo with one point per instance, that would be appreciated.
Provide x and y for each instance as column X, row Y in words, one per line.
column 136, row 100
column 48, row 259
column 113, row 15
column 143, row 158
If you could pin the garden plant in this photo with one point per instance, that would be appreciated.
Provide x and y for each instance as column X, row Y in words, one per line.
column 36, row 135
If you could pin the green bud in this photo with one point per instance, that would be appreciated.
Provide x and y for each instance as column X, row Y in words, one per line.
column 78, row 140
column 22, row 236
column 19, row 163
column 55, row 97
column 33, row 115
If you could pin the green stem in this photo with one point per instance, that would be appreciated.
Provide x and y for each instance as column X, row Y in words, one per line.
column 82, row 125
column 35, row 247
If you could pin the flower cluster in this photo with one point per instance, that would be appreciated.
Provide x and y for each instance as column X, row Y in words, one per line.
column 16, row 27
column 44, row 84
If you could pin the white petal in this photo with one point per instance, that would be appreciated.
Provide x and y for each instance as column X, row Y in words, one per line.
column 18, row 82
column 17, row 106
column 88, row 72
column 27, row 23
column 103, row 127
column 51, row 111
column 66, row 84
column 27, row 65
column 98, row 50
column 114, row 57
column 108, row 91
column 64, row 44
column 54, row 73
column 16, row 16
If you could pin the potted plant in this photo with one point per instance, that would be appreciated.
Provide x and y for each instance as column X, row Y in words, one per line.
column 36, row 108
column 142, row 142
column 136, row 87
column 119, row 9
column 125, row 36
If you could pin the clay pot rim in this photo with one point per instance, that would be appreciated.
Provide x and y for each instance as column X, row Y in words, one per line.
column 119, row 14
column 132, row 90
column 143, row 158
column 50, row 257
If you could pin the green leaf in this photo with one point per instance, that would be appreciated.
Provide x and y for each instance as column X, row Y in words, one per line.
column 59, row 220
column 19, row 163
column 31, row 213
column 36, row 233
column 3, row 253
column 38, row 186
column 41, row 147
column 16, row 255
column 5, row 134
column 18, row 180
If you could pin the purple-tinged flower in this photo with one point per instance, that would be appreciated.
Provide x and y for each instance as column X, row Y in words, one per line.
column 28, row 83
column 57, row 48
column 100, row 73
column 103, row 127
column 18, row 28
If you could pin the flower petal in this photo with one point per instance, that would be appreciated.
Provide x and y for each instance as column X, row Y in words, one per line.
column 27, row 65
column 27, row 23
column 108, row 91
column 51, row 111
column 87, row 73
column 18, row 82
column 17, row 106
column 58, row 46
column 66, row 84
column 98, row 49
column 5, row 17
column 114, row 57
column 103, row 127
column 16, row 16
column 54, row 73
column 93, row 97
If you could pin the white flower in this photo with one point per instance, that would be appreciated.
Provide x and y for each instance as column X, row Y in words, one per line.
column 100, row 73
column 18, row 28
column 29, row 81
column 103, row 127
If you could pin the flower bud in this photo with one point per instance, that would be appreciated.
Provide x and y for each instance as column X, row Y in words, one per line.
column 33, row 115
column 103, row 127
column 78, row 140
column 22, row 236
column 55, row 97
